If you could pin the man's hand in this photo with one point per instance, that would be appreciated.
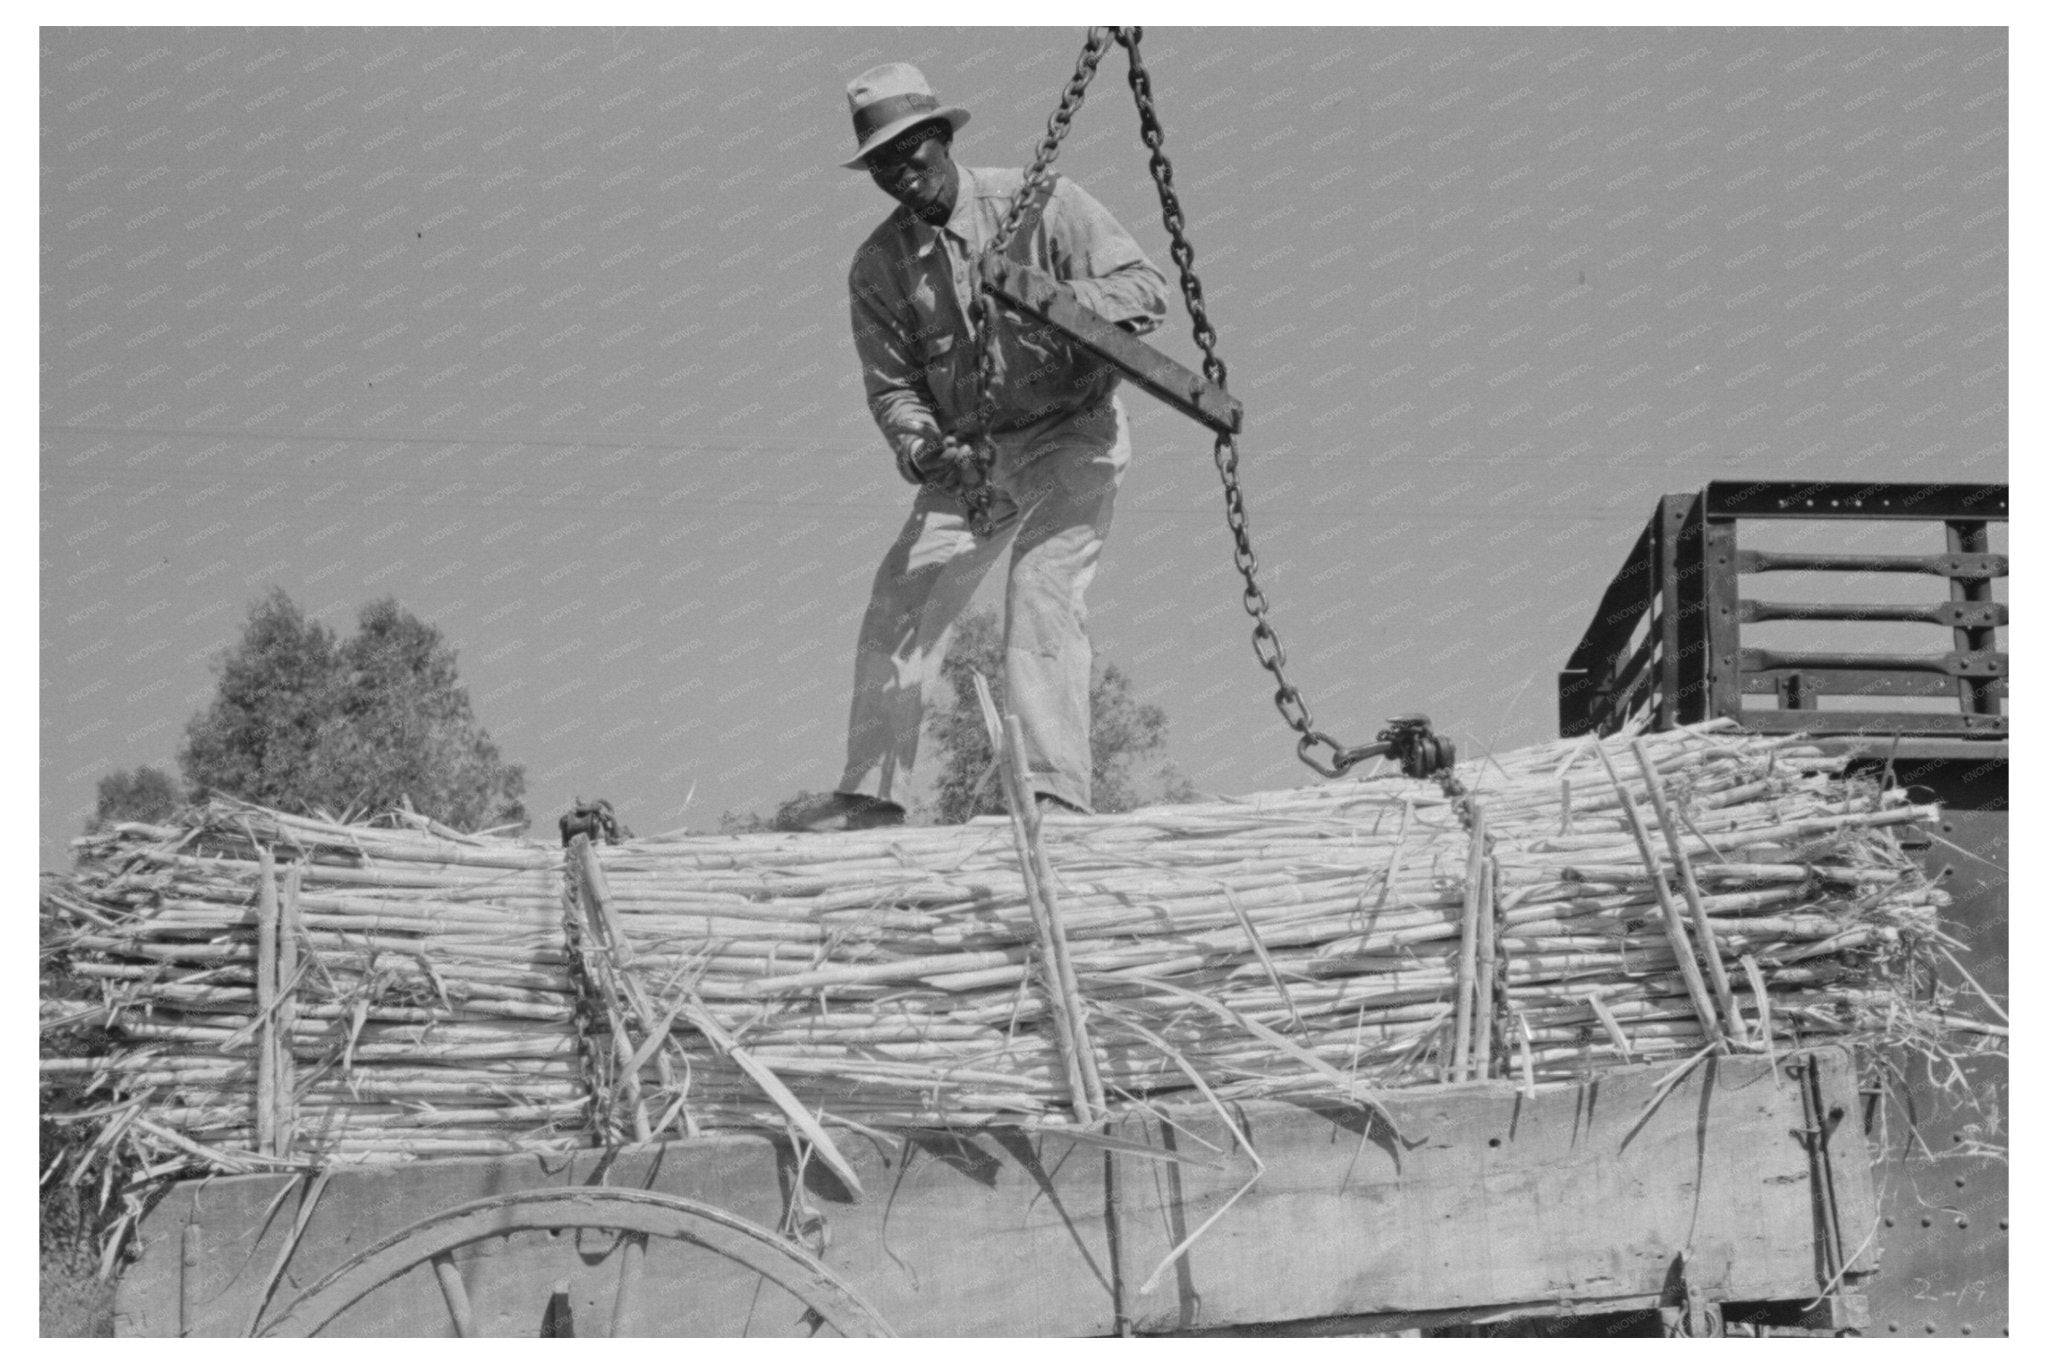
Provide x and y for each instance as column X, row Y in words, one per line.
column 945, row 462
column 922, row 461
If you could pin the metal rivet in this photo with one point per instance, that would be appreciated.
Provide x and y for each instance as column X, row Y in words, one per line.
column 1966, row 1330
column 1962, row 1222
column 1893, row 1327
column 1891, row 1221
column 1928, row 1328
column 1959, row 1181
column 1927, row 1221
column 2001, row 1224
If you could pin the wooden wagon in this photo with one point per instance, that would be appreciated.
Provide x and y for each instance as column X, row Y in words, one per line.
column 1732, row 1192
column 1647, row 1201
column 1686, row 633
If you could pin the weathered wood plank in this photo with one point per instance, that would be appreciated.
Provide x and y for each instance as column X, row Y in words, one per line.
column 1488, row 1197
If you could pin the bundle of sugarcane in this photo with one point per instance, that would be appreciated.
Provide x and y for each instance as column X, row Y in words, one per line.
column 282, row 990
column 1547, row 914
column 1347, row 937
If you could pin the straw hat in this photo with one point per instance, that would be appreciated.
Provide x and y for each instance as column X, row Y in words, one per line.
column 888, row 100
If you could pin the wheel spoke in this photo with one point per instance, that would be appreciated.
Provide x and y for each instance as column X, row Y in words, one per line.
column 558, row 1322
column 454, row 1294
column 634, row 1215
column 632, row 1254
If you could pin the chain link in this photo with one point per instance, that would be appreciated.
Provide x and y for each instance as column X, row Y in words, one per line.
column 976, row 491
column 1056, row 129
column 1266, row 646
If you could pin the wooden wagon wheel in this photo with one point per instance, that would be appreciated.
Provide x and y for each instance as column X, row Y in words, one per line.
column 635, row 1215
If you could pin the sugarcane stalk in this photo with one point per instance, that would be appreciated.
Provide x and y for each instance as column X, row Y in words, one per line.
column 1460, row 1067
column 616, row 984
column 1065, row 1001
column 1047, row 888
column 701, row 1019
column 1674, row 926
column 266, row 1004
column 1709, row 948
column 1485, row 1007
column 286, row 1021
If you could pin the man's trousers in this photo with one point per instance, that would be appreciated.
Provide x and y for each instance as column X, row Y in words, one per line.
column 1063, row 476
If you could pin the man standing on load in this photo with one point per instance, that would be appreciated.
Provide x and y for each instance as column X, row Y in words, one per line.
column 1056, row 445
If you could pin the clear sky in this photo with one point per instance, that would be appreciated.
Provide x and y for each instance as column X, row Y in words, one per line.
column 544, row 332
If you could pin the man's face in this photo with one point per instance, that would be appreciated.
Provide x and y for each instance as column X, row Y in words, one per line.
column 917, row 171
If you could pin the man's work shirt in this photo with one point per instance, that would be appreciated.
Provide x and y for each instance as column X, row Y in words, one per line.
column 911, row 286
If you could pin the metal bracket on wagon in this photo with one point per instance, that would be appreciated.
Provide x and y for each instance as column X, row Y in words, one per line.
column 594, row 820
column 1408, row 741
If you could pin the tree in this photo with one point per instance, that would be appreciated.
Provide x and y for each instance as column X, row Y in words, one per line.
column 404, row 728
column 753, row 822
column 148, row 795
column 1126, row 736
column 300, row 721
column 256, row 740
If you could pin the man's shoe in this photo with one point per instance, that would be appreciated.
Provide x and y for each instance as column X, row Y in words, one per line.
column 838, row 811
column 1050, row 804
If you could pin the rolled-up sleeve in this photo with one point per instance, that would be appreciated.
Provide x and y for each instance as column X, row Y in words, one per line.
column 1106, row 269
column 889, row 361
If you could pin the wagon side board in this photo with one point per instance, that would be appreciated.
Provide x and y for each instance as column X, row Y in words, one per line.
column 1941, row 1175
column 1614, row 1194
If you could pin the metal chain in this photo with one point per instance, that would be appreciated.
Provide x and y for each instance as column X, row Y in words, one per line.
column 976, row 491
column 1459, row 795
column 1056, row 129
column 1266, row 645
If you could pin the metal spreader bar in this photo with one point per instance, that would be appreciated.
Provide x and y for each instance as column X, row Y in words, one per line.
column 1032, row 291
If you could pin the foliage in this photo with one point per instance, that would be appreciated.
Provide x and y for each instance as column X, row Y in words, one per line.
column 302, row 721
column 148, row 795
column 404, row 728
column 299, row 720
column 256, row 740
column 1127, row 737
column 74, row 1300
column 751, row 822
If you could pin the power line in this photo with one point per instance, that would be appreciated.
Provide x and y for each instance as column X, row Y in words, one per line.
column 871, row 512
column 1254, row 456
column 625, row 497
column 549, row 443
